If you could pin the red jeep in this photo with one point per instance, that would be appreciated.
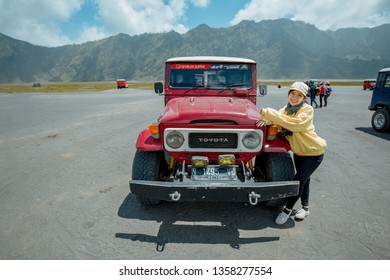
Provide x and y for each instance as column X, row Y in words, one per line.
column 121, row 83
column 369, row 84
column 206, row 145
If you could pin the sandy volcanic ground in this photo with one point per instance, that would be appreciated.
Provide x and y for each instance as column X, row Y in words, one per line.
column 66, row 160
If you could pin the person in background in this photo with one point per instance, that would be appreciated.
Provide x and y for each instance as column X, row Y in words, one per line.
column 307, row 147
column 327, row 93
column 322, row 93
column 312, row 93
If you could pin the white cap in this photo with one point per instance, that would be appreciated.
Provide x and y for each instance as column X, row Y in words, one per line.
column 299, row 86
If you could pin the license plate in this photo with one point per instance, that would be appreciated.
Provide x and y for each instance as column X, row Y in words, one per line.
column 214, row 173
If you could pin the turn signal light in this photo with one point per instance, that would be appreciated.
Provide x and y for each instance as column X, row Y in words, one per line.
column 272, row 131
column 154, row 130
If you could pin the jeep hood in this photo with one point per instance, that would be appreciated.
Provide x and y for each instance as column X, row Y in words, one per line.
column 202, row 109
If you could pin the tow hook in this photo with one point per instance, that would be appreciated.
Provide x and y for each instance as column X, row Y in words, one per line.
column 253, row 198
column 175, row 196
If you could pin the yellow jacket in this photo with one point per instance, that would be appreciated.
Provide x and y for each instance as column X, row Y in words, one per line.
column 303, row 141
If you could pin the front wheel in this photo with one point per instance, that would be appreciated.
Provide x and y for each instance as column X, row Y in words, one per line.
column 148, row 166
column 381, row 120
column 272, row 167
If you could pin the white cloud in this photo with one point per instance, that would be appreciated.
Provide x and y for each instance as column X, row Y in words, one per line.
column 37, row 21
column 91, row 33
column 135, row 17
column 42, row 22
column 324, row 14
column 201, row 3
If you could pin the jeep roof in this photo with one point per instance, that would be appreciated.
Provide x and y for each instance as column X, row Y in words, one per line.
column 210, row 59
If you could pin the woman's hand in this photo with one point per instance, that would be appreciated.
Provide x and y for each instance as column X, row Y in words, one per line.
column 260, row 123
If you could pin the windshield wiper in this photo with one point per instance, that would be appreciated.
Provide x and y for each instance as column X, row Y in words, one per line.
column 195, row 87
column 232, row 86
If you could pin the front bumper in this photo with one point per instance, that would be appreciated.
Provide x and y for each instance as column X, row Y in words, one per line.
column 227, row 191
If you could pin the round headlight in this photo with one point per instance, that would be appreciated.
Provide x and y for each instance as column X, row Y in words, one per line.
column 251, row 140
column 174, row 139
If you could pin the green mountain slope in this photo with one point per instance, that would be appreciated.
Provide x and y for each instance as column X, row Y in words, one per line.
column 283, row 49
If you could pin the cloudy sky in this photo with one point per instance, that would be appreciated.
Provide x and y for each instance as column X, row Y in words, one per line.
column 60, row 22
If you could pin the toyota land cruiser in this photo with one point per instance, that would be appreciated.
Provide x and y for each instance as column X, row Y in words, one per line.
column 206, row 146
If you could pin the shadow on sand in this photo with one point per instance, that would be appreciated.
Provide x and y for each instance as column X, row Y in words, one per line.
column 200, row 222
column 371, row 131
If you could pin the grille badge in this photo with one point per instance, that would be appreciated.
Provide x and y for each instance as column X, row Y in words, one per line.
column 213, row 140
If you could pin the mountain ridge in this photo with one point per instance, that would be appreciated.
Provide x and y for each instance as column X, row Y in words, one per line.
column 283, row 49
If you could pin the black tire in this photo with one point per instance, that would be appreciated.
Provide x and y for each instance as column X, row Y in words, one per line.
column 271, row 167
column 380, row 120
column 148, row 166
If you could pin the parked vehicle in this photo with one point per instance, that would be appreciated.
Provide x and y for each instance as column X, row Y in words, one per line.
column 121, row 83
column 380, row 102
column 369, row 84
column 206, row 145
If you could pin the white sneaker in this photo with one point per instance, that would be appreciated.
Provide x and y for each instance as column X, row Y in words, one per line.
column 301, row 214
column 282, row 218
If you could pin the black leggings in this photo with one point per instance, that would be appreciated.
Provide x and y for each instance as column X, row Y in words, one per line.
column 321, row 97
column 326, row 96
column 305, row 166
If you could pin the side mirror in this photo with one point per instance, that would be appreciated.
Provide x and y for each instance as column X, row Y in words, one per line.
column 158, row 88
column 263, row 89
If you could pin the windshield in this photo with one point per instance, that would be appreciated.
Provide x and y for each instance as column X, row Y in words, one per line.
column 208, row 75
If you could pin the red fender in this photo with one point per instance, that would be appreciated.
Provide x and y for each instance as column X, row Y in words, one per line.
column 145, row 142
column 278, row 145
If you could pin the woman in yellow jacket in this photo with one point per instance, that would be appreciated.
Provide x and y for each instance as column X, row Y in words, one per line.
column 308, row 148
